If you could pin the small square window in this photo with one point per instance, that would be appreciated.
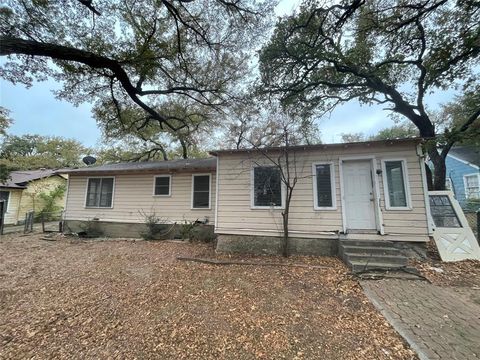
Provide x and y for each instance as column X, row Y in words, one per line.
column 162, row 186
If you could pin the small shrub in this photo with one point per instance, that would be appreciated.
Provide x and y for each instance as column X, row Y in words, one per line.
column 186, row 229
column 202, row 233
column 50, row 210
column 156, row 227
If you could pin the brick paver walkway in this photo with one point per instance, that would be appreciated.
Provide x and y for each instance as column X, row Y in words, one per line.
column 437, row 322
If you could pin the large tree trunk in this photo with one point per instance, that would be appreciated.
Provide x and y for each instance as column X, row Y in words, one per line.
column 439, row 170
column 285, row 232
column 427, row 130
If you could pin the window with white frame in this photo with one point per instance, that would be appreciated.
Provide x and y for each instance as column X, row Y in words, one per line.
column 100, row 192
column 324, row 186
column 5, row 196
column 201, row 192
column 395, row 183
column 267, row 186
column 472, row 186
column 162, row 185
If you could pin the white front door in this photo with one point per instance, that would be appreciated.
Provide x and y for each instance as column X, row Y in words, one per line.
column 358, row 195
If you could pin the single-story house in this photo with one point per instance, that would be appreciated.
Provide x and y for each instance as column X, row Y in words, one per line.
column 463, row 174
column 372, row 190
column 21, row 192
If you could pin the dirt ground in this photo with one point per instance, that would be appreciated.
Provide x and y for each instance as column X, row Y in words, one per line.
column 465, row 273
column 74, row 298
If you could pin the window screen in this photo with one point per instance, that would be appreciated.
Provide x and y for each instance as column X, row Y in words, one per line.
column 442, row 212
column 4, row 196
column 267, row 186
column 162, row 185
column 201, row 191
column 99, row 192
column 324, row 185
column 395, row 183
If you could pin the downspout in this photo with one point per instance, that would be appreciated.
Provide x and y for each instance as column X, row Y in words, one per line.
column 19, row 207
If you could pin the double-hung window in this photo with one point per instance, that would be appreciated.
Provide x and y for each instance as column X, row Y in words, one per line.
column 162, row 185
column 267, row 187
column 324, row 186
column 472, row 186
column 395, row 184
column 100, row 192
column 5, row 196
column 201, row 191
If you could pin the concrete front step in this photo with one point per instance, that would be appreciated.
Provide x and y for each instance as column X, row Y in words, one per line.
column 362, row 255
column 369, row 243
column 361, row 265
column 383, row 259
column 380, row 250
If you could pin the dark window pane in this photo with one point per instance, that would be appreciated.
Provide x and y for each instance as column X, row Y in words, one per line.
column 396, row 185
column 162, row 185
column 324, row 186
column 201, row 199
column 5, row 195
column 267, row 186
column 442, row 211
column 100, row 192
column 106, row 193
column 202, row 183
column 93, row 192
column 201, row 191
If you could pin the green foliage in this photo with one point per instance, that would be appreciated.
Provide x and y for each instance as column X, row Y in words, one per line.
column 156, row 227
column 254, row 123
column 392, row 53
column 187, row 228
column 50, row 210
column 38, row 151
column 399, row 131
column 155, row 70
column 5, row 121
column 472, row 205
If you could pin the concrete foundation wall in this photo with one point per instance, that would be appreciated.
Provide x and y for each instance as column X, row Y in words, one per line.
column 135, row 230
column 269, row 245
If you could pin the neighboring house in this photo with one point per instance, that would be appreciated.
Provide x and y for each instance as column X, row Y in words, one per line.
column 463, row 174
column 21, row 192
column 372, row 190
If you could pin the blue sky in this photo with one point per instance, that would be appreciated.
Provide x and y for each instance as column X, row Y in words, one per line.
column 37, row 111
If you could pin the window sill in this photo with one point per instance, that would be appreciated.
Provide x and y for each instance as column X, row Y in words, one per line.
column 98, row 207
column 164, row 196
column 389, row 208
column 267, row 208
column 325, row 208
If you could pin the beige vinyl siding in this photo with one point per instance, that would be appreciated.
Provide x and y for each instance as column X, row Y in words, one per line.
column 235, row 215
column 133, row 197
column 12, row 215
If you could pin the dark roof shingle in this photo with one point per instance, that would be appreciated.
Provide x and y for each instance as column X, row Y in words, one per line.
column 470, row 154
column 19, row 179
column 148, row 166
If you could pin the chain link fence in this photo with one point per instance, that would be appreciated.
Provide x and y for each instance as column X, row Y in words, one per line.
column 474, row 222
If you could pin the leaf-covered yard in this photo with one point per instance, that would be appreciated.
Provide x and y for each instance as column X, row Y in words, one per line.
column 132, row 299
